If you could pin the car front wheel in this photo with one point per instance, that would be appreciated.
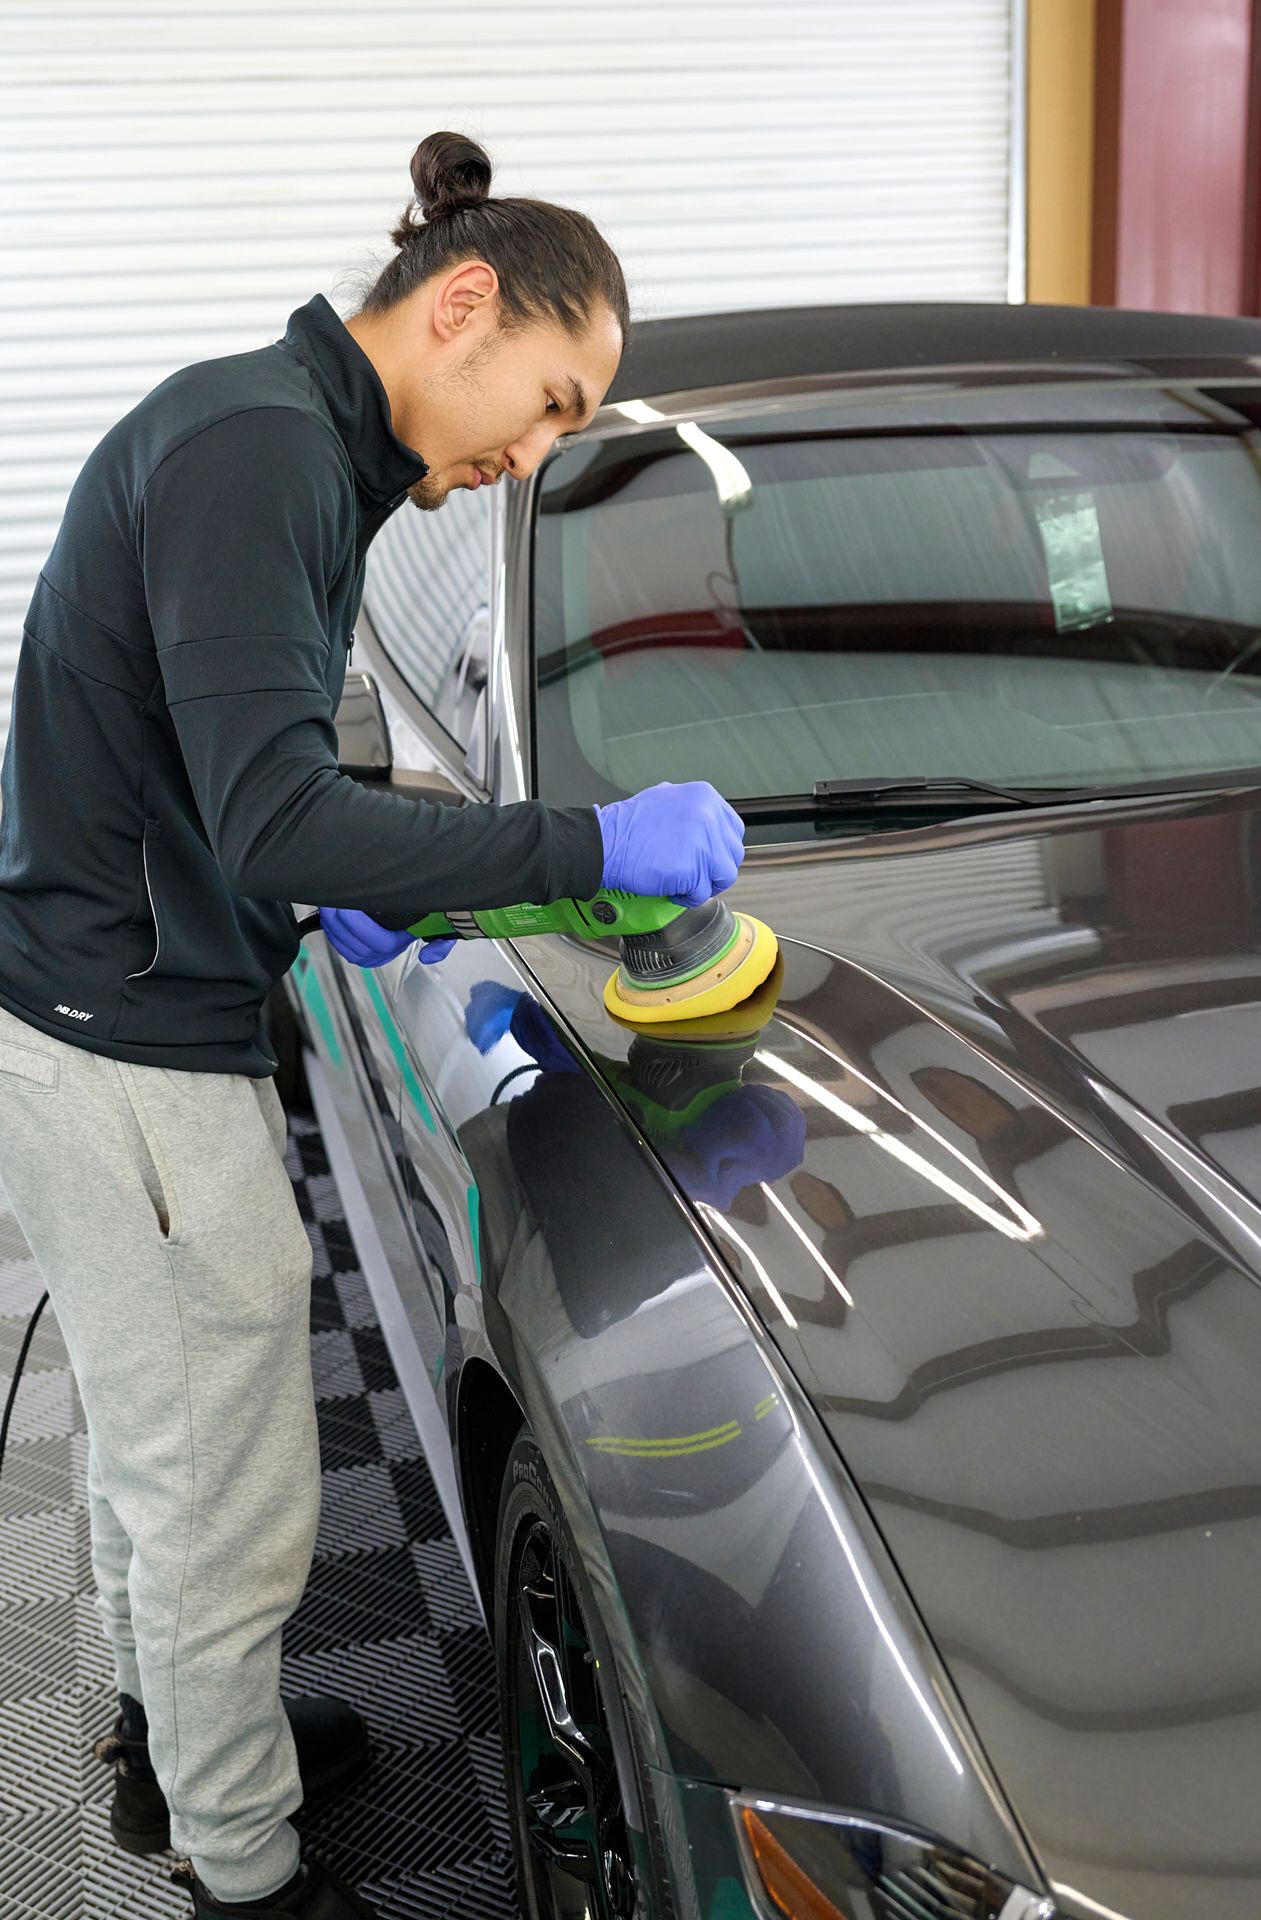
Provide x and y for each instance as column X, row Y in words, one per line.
column 584, row 1831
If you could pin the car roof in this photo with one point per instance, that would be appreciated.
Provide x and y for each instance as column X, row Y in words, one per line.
column 684, row 352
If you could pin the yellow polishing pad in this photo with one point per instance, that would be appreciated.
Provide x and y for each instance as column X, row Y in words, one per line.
column 730, row 980
column 733, row 1024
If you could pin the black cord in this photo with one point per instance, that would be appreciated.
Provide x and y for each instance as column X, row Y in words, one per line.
column 17, row 1374
column 530, row 1066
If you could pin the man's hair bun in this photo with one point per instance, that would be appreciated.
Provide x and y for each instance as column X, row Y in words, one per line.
column 552, row 263
column 449, row 173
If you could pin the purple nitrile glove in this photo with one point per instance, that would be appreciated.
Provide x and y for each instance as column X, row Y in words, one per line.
column 495, row 1009
column 361, row 940
column 681, row 841
column 535, row 1033
column 753, row 1133
column 488, row 1015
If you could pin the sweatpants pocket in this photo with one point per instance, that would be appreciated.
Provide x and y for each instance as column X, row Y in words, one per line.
column 156, row 1180
column 241, row 1255
column 37, row 1071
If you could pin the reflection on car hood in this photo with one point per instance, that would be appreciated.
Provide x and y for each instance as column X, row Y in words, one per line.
column 1017, row 1266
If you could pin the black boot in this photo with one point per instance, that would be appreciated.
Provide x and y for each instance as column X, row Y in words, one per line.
column 314, row 1893
column 138, row 1816
column 332, row 1744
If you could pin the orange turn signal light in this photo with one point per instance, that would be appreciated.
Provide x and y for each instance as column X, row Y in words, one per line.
column 786, row 1883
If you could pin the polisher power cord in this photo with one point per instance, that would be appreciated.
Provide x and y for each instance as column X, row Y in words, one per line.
column 31, row 1325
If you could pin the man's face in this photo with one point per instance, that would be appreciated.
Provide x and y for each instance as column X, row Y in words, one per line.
column 503, row 399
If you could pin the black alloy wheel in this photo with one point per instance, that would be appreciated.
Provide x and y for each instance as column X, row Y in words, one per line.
column 584, row 1850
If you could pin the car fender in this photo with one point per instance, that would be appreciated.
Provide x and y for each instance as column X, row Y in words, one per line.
column 761, row 1632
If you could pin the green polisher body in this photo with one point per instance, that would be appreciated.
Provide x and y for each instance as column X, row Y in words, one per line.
column 606, row 913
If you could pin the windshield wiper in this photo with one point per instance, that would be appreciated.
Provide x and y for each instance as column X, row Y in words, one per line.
column 838, row 792
column 838, row 795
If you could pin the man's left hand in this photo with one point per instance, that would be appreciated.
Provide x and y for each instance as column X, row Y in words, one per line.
column 363, row 941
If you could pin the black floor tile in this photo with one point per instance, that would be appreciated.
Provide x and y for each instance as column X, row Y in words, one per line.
column 387, row 1622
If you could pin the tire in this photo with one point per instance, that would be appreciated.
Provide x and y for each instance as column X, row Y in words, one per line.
column 554, row 1818
column 285, row 1036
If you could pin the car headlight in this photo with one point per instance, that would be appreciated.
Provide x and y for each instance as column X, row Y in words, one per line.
column 804, row 1863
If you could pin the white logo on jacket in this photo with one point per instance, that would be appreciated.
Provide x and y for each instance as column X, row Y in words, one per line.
column 74, row 1013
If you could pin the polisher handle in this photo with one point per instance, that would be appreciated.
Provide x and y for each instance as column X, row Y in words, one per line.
column 607, row 913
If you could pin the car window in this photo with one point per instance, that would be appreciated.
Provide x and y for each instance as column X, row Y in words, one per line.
column 426, row 592
column 1064, row 592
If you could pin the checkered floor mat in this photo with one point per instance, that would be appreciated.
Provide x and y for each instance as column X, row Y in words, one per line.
column 387, row 1622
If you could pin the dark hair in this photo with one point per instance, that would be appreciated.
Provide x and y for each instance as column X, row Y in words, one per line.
column 552, row 262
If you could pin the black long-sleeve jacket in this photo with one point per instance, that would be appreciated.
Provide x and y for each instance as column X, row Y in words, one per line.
column 170, row 781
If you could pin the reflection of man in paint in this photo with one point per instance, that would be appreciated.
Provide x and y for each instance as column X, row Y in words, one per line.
column 716, row 1133
column 1006, row 1135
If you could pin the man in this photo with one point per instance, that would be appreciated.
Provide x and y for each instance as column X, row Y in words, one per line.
column 169, row 786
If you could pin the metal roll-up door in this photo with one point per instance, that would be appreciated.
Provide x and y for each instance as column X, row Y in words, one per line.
column 177, row 178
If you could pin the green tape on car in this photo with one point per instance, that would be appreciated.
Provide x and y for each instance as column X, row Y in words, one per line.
column 474, row 1199
column 1078, row 578
column 312, row 995
column 411, row 1084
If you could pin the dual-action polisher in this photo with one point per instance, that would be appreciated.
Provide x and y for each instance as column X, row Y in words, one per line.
column 677, row 963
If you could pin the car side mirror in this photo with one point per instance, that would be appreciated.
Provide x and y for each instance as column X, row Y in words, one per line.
column 364, row 750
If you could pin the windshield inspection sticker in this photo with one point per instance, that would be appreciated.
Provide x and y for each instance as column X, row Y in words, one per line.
column 1069, row 525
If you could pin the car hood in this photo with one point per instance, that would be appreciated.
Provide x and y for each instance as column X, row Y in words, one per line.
column 990, row 1171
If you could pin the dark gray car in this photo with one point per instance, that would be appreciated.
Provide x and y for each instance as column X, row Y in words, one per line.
column 849, row 1411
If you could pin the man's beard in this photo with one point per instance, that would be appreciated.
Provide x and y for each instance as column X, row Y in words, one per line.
column 428, row 495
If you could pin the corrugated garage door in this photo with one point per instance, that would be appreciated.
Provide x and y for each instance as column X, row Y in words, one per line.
column 176, row 178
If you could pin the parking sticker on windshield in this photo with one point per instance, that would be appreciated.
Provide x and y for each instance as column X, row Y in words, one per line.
column 1069, row 525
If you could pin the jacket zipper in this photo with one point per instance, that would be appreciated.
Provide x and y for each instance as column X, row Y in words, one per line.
column 366, row 535
column 370, row 526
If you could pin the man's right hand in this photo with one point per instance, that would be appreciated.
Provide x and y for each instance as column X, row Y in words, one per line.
column 683, row 842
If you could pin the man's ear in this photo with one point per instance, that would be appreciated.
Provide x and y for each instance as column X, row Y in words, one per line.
column 469, row 288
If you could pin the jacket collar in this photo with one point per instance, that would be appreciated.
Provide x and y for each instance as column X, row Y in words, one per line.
column 355, row 398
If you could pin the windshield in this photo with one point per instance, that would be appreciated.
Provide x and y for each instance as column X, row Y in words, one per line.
column 1056, row 585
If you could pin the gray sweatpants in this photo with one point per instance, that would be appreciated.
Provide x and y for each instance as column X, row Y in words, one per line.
column 158, row 1209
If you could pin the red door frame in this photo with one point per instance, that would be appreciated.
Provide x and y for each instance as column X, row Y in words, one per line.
column 1175, row 213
